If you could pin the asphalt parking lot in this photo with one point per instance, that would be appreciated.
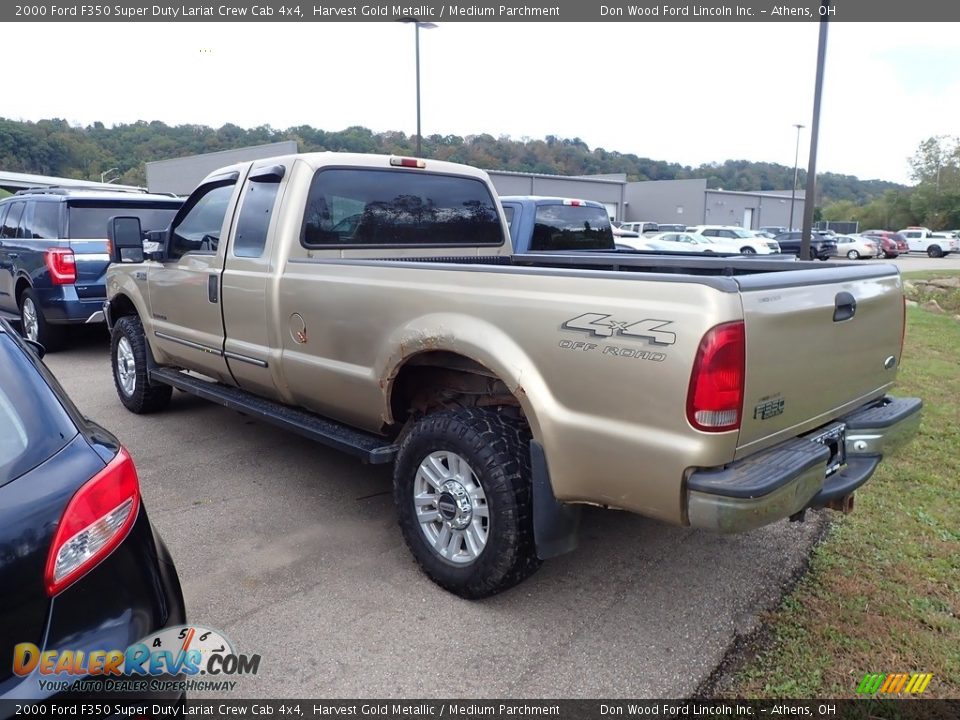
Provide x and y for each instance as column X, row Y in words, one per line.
column 293, row 552
column 908, row 263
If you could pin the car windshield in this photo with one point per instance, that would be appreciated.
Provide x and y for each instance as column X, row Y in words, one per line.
column 743, row 234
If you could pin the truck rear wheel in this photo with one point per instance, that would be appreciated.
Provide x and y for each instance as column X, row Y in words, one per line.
column 128, row 357
column 464, row 500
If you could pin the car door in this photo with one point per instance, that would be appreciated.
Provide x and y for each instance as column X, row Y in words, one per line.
column 185, row 288
column 915, row 241
column 251, row 345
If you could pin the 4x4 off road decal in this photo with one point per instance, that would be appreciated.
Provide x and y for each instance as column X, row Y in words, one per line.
column 603, row 326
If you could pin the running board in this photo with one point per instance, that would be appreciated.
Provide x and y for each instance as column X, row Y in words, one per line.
column 368, row 447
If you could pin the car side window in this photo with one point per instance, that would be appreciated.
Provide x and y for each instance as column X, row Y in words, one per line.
column 12, row 221
column 199, row 229
column 25, row 229
column 259, row 199
column 710, row 233
column 46, row 220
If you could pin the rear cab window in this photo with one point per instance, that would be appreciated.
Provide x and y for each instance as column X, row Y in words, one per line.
column 353, row 207
column 571, row 227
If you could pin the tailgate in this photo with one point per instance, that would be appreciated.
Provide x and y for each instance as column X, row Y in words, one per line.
column 92, row 256
column 819, row 343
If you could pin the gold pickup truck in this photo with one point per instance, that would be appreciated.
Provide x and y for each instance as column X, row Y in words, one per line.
column 374, row 304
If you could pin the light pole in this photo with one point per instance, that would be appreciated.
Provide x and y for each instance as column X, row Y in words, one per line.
column 796, row 174
column 417, row 24
column 107, row 172
column 810, row 194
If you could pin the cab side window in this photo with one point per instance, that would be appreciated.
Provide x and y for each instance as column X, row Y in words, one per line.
column 197, row 229
column 254, row 221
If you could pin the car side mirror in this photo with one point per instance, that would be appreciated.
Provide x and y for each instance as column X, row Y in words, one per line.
column 126, row 239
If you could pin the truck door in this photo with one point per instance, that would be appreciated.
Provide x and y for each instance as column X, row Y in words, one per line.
column 185, row 291
column 247, row 278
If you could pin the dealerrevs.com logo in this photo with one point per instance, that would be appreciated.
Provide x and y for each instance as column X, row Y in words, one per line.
column 157, row 662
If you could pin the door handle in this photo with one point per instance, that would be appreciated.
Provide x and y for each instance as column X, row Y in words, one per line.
column 213, row 293
column 845, row 307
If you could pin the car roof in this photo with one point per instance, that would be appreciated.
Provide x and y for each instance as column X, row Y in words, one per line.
column 547, row 200
column 66, row 194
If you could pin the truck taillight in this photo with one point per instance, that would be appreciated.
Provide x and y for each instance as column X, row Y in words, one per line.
column 96, row 520
column 715, row 396
column 62, row 265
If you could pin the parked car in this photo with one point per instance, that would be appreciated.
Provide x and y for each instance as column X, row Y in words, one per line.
column 676, row 242
column 641, row 227
column 856, row 247
column 619, row 232
column 53, row 254
column 774, row 230
column 822, row 247
column 507, row 390
column 671, row 227
column 893, row 244
column 921, row 239
column 555, row 223
column 769, row 239
column 740, row 240
column 81, row 568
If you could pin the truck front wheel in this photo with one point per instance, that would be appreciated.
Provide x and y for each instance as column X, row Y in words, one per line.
column 464, row 500
column 128, row 356
column 934, row 251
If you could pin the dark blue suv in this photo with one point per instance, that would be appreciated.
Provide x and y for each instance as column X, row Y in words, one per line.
column 54, row 256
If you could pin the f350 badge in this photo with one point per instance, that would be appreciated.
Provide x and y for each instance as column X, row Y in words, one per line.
column 603, row 325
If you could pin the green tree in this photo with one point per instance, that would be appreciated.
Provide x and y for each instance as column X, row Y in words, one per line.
column 936, row 170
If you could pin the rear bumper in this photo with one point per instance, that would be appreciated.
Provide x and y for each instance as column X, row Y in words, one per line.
column 63, row 306
column 788, row 478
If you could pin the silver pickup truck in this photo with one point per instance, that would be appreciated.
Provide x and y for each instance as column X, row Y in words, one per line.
column 374, row 304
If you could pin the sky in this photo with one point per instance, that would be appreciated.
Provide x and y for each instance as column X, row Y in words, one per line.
column 681, row 92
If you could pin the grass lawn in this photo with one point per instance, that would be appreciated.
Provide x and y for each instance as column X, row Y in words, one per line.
column 883, row 591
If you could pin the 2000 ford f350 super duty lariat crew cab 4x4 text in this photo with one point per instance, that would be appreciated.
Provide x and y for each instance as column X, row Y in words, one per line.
column 375, row 304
